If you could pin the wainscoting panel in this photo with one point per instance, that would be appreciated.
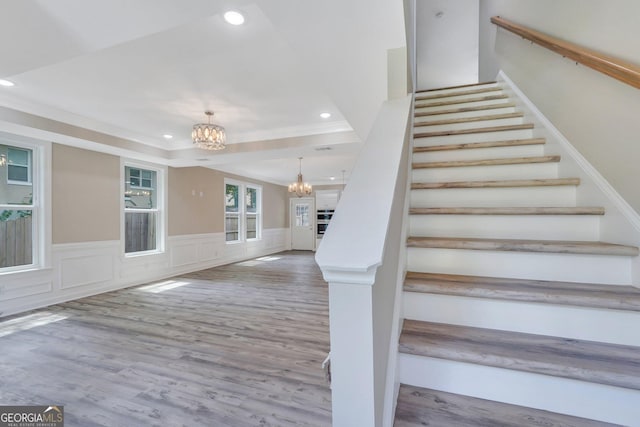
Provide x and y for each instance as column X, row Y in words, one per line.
column 83, row 269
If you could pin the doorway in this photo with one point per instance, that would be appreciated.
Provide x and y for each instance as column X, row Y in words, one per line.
column 302, row 215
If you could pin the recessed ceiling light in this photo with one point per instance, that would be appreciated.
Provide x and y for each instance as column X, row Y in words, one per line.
column 332, row 178
column 233, row 17
column 325, row 115
column 167, row 136
column 6, row 83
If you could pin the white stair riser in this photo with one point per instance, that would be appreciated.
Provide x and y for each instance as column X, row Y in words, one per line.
column 427, row 108
column 472, row 137
column 480, row 153
column 561, row 196
column 603, row 269
column 458, row 96
column 456, row 90
column 593, row 324
column 486, row 173
column 534, row 227
column 561, row 395
column 470, row 125
column 465, row 114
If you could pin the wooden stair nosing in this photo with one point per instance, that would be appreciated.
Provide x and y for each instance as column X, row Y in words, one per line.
column 465, row 109
column 524, row 126
column 510, row 183
column 611, row 364
column 517, row 245
column 477, row 145
column 461, row 101
column 461, row 93
column 508, row 211
column 418, row 407
column 613, row 297
column 456, row 87
column 487, row 162
column 471, row 119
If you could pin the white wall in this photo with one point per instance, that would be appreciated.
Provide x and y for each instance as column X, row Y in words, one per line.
column 597, row 114
column 447, row 44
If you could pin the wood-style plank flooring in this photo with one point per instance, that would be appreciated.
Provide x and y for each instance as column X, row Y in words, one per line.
column 238, row 345
column 423, row 407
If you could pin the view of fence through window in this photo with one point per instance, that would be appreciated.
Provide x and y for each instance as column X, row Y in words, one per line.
column 140, row 210
column 16, row 206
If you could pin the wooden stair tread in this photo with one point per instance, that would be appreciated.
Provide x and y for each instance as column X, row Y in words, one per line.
column 508, row 211
column 462, row 101
column 477, row 145
column 464, row 109
column 418, row 407
column 487, row 162
column 461, row 93
column 524, row 126
column 470, row 119
column 518, row 245
column 615, row 297
column 455, row 87
column 496, row 184
column 611, row 364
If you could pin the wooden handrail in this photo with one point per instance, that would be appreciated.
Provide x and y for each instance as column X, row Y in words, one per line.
column 618, row 69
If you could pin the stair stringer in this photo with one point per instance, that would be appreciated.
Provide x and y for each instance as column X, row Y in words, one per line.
column 621, row 223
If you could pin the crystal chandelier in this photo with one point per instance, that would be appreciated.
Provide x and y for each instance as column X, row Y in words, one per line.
column 208, row 136
column 300, row 187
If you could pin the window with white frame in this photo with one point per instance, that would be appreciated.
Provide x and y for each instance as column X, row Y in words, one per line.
column 143, row 195
column 243, row 211
column 19, row 208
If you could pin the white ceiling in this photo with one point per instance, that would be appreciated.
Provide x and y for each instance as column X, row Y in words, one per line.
column 136, row 70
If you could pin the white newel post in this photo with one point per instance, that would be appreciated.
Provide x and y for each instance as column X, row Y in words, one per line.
column 351, row 329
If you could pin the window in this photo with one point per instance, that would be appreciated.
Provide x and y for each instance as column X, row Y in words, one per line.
column 18, row 166
column 232, row 213
column 19, row 231
column 142, row 213
column 242, row 219
column 251, row 213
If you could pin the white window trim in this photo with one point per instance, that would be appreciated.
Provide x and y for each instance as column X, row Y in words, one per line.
column 40, row 169
column 242, row 215
column 161, row 209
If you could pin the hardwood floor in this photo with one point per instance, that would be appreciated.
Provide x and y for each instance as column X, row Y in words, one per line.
column 238, row 345
column 422, row 407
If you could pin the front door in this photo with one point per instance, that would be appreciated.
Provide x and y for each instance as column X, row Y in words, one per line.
column 302, row 214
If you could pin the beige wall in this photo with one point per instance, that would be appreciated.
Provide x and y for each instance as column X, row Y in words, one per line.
column 195, row 214
column 86, row 198
column 191, row 213
column 597, row 114
column 86, row 195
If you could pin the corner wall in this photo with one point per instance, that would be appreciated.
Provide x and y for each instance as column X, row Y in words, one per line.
column 597, row 114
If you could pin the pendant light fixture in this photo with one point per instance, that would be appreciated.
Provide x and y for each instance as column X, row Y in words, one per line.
column 300, row 187
column 208, row 136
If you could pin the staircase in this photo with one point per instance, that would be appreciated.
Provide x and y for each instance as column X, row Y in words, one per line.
column 515, row 313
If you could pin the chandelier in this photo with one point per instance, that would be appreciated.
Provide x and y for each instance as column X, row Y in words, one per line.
column 300, row 187
column 208, row 136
